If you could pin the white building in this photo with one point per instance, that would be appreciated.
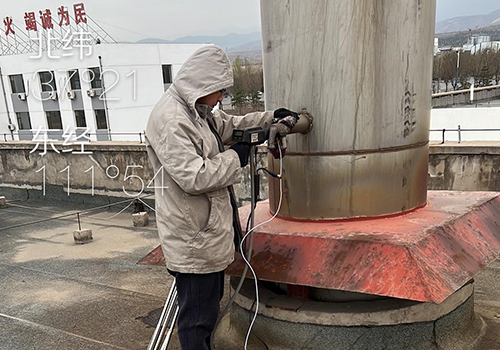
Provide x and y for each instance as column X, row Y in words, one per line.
column 482, row 42
column 107, row 90
column 491, row 45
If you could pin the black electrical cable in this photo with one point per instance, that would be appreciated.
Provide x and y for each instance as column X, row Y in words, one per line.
column 57, row 212
column 247, row 262
column 236, row 291
column 243, row 275
column 255, row 297
column 14, row 200
column 245, row 269
column 270, row 173
column 248, row 220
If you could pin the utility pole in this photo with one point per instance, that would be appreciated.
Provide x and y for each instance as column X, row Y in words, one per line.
column 472, row 92
column 4, row 92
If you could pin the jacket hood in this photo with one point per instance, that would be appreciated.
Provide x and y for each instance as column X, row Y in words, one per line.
column 207, row 70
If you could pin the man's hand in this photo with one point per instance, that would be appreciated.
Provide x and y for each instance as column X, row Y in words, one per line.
column 282, row 113
column 243, row 151
column 287, row 117
column 277, row 131
column 283, row 123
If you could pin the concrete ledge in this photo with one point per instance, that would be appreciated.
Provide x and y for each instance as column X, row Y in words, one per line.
column 383, row 312
column 449, row 147
column 59, row 193
column 113, row 146
column 458, row 330
column 465, row 148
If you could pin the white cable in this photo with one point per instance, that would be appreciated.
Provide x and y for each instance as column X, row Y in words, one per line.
column 280, row 176
column 248, row 263
column 115, row 215
column 146, row 205
column 121, row 211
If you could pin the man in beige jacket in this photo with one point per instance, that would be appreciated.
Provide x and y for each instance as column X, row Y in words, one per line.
column 197, row 214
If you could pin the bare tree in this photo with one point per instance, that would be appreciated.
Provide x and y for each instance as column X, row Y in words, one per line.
column 495, row 68
column 248, row 85
column 448, row 67
column 436, row 74
column 237, row 91
column 484, row 67
column 466, row 70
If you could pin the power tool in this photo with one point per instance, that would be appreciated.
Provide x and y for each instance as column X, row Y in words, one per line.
column 252, row 136
column 257, row 135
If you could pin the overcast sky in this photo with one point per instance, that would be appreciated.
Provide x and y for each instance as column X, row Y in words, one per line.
column 128, row 20
column 453, row 8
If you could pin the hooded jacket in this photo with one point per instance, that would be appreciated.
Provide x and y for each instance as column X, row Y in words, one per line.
column 194, row 214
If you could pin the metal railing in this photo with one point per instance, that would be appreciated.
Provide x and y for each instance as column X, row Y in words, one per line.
column 459, row 132
column 57, row 135
column 465, row 97
column 8, row 137
column 465, row 91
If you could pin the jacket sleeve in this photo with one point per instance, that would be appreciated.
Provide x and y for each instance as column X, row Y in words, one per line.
column 195, row 175
column 226, row 123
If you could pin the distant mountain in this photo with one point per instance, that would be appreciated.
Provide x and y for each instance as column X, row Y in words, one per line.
column 458, row 24
column 251, row 46
column 153, row 41
column 456, row 39
column 227, row 42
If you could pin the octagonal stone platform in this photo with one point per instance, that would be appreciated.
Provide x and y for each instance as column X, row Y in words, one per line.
column 425, row 255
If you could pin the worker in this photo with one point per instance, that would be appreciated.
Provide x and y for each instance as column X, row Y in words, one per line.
column 196, row 209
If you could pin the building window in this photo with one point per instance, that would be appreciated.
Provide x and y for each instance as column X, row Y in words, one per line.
column 48, row 81
column 17, row 83
column 95, row 78
column 80, row 119
column 54, row 120
column 74, row 79
column 167, row 73
column 100, row 117
column 23, row 120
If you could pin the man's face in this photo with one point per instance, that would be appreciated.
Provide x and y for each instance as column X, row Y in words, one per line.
column 212, row 99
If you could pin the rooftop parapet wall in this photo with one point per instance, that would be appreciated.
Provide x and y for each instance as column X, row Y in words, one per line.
column 104, row 170
column 468, row 166
column 451, row 98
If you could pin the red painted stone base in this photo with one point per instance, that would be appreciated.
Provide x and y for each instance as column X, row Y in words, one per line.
column 425, row 255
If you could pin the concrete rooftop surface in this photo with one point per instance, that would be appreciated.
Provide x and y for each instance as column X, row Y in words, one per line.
column 58, row 295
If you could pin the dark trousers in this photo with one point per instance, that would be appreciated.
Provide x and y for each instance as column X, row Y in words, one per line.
column 199, row 296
